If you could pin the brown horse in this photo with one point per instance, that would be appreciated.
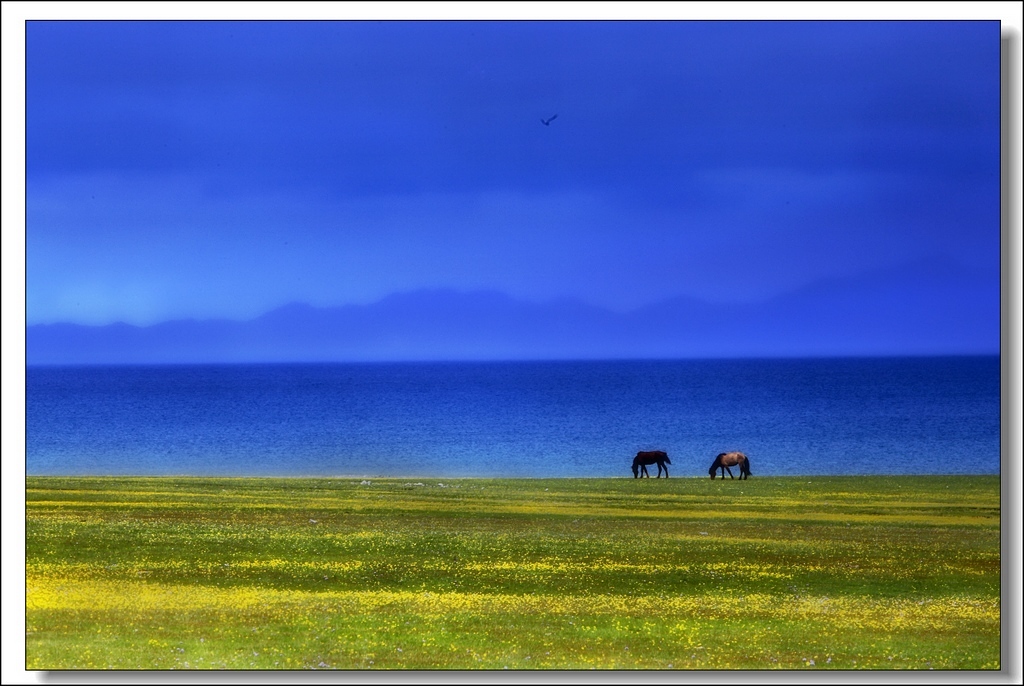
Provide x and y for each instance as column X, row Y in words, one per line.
column 726, row 460
column 644, row 458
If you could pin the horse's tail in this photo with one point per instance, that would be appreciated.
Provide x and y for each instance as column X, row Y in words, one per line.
column 667, row 460
column 746, row 465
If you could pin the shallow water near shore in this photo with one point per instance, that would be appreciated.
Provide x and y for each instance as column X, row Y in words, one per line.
column 516, row 419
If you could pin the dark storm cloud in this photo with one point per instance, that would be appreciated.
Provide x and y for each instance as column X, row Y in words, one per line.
column 340, row 161
column 372, row 106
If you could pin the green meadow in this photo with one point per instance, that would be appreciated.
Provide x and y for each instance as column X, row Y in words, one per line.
column 682, row 573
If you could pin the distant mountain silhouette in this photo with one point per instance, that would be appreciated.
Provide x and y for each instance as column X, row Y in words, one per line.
column 929, row 308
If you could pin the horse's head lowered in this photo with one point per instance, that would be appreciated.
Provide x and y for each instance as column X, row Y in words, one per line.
column 714, row 466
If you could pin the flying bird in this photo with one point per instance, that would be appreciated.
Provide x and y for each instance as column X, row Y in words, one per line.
column 547, row 122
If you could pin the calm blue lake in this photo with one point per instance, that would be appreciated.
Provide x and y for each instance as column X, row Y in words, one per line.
column 532, row 419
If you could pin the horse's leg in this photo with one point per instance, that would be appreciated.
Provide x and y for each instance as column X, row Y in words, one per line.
column 666, row 469
column 730, row 473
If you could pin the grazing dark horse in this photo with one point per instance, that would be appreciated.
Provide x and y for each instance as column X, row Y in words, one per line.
column 726, row 460
column 644, row 458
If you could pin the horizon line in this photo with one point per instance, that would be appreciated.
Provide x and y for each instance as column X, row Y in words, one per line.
column 525, row 360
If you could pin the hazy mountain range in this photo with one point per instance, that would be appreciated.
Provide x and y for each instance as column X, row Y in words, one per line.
column 906, row 311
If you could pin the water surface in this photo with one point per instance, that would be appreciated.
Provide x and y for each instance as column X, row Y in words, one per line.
column 830, row 416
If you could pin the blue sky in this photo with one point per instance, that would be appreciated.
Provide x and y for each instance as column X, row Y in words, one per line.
column 221, row 169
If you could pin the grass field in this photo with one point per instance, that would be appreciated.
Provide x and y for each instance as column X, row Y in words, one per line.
column 770, row 573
